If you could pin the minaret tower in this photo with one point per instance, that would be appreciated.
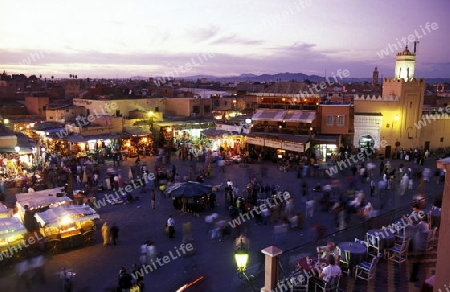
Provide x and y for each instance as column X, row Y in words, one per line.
column 375, row 77
column 405, row 63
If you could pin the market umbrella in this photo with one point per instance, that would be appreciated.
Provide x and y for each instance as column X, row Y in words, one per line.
column 85, row 179
column 188, row 189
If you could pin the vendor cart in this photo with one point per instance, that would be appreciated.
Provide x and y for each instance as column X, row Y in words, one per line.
column 69, row 226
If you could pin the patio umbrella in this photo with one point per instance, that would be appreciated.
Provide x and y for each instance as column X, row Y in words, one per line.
column 188, row 189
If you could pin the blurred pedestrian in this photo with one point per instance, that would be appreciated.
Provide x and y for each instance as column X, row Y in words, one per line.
column 151, row 252
column 138, row 277
column 105, row 234
column 114, row 231
column 171, row 225
column 125, row 280
column 419, row 235
column 152, row 198
column 187, row 232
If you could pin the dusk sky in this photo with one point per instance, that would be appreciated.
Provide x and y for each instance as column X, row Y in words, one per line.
column 99, row 38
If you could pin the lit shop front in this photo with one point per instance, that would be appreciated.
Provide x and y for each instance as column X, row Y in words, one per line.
column 137, row 142
column 91, row 146
column 169, row 134
column 325, row 146
column 220, row 140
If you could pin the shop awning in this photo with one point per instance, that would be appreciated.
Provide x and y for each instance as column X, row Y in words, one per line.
column 327, row 139
column 73, row 213
column 295, row 116
column 294, row 143
column 298, row 116
column 78, row 138
column 269, row 115
column 138, row 131
column 213, row 133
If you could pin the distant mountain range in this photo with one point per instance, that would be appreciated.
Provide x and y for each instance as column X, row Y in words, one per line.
column 284, row 77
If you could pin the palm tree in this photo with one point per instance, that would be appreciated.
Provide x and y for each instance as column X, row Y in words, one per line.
column 70, row 76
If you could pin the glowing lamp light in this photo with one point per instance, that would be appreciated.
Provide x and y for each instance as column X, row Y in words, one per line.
column 17, row 149
column 248, row 121
column 66, row 220
column 396, row 118
column 241, row 257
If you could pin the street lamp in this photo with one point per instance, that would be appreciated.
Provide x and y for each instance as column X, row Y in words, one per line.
column 396, row 118
column 17, row 148
column 241, row 256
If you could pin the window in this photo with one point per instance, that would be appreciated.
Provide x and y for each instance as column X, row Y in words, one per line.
column 207, row 109
column 330, row 120
column 216, row 102
column 196, row 109
column 340, row 120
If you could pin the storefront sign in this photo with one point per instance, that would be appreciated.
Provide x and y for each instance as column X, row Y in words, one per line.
column 272, row 143
column 295, row 147
column 255, row 141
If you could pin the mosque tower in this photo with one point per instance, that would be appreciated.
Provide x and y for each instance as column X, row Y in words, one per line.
column 405, row 63
column 375, row 77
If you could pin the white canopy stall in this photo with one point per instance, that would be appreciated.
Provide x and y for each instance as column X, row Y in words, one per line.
column 67, row 226
column 12, row 233
column 4, row 212
column 40, row 200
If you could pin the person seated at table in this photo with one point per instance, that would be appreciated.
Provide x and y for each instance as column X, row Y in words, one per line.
column 329, row 249
column 331, row 270
column 416, row 214
column 128, row 198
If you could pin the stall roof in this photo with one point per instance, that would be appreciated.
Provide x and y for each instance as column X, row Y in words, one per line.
column 213, row 133
column 78, row 138
column 11, row 226
column 76, row 213
column 269, row 115
column 298, row 116
column 282, row 137
column 41, row 198
column 4, row 212
column 278, row 115
column 138, row 131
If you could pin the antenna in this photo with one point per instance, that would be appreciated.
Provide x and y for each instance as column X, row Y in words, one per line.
column 415, row 46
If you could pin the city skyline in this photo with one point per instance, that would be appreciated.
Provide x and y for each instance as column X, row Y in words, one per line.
column 180, row 39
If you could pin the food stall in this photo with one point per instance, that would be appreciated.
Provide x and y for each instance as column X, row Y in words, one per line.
column 4, row 212
column 12, row 234
column 67, row 226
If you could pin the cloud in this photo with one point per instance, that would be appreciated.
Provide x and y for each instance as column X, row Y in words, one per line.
column 203, row 34
column 233, row 39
